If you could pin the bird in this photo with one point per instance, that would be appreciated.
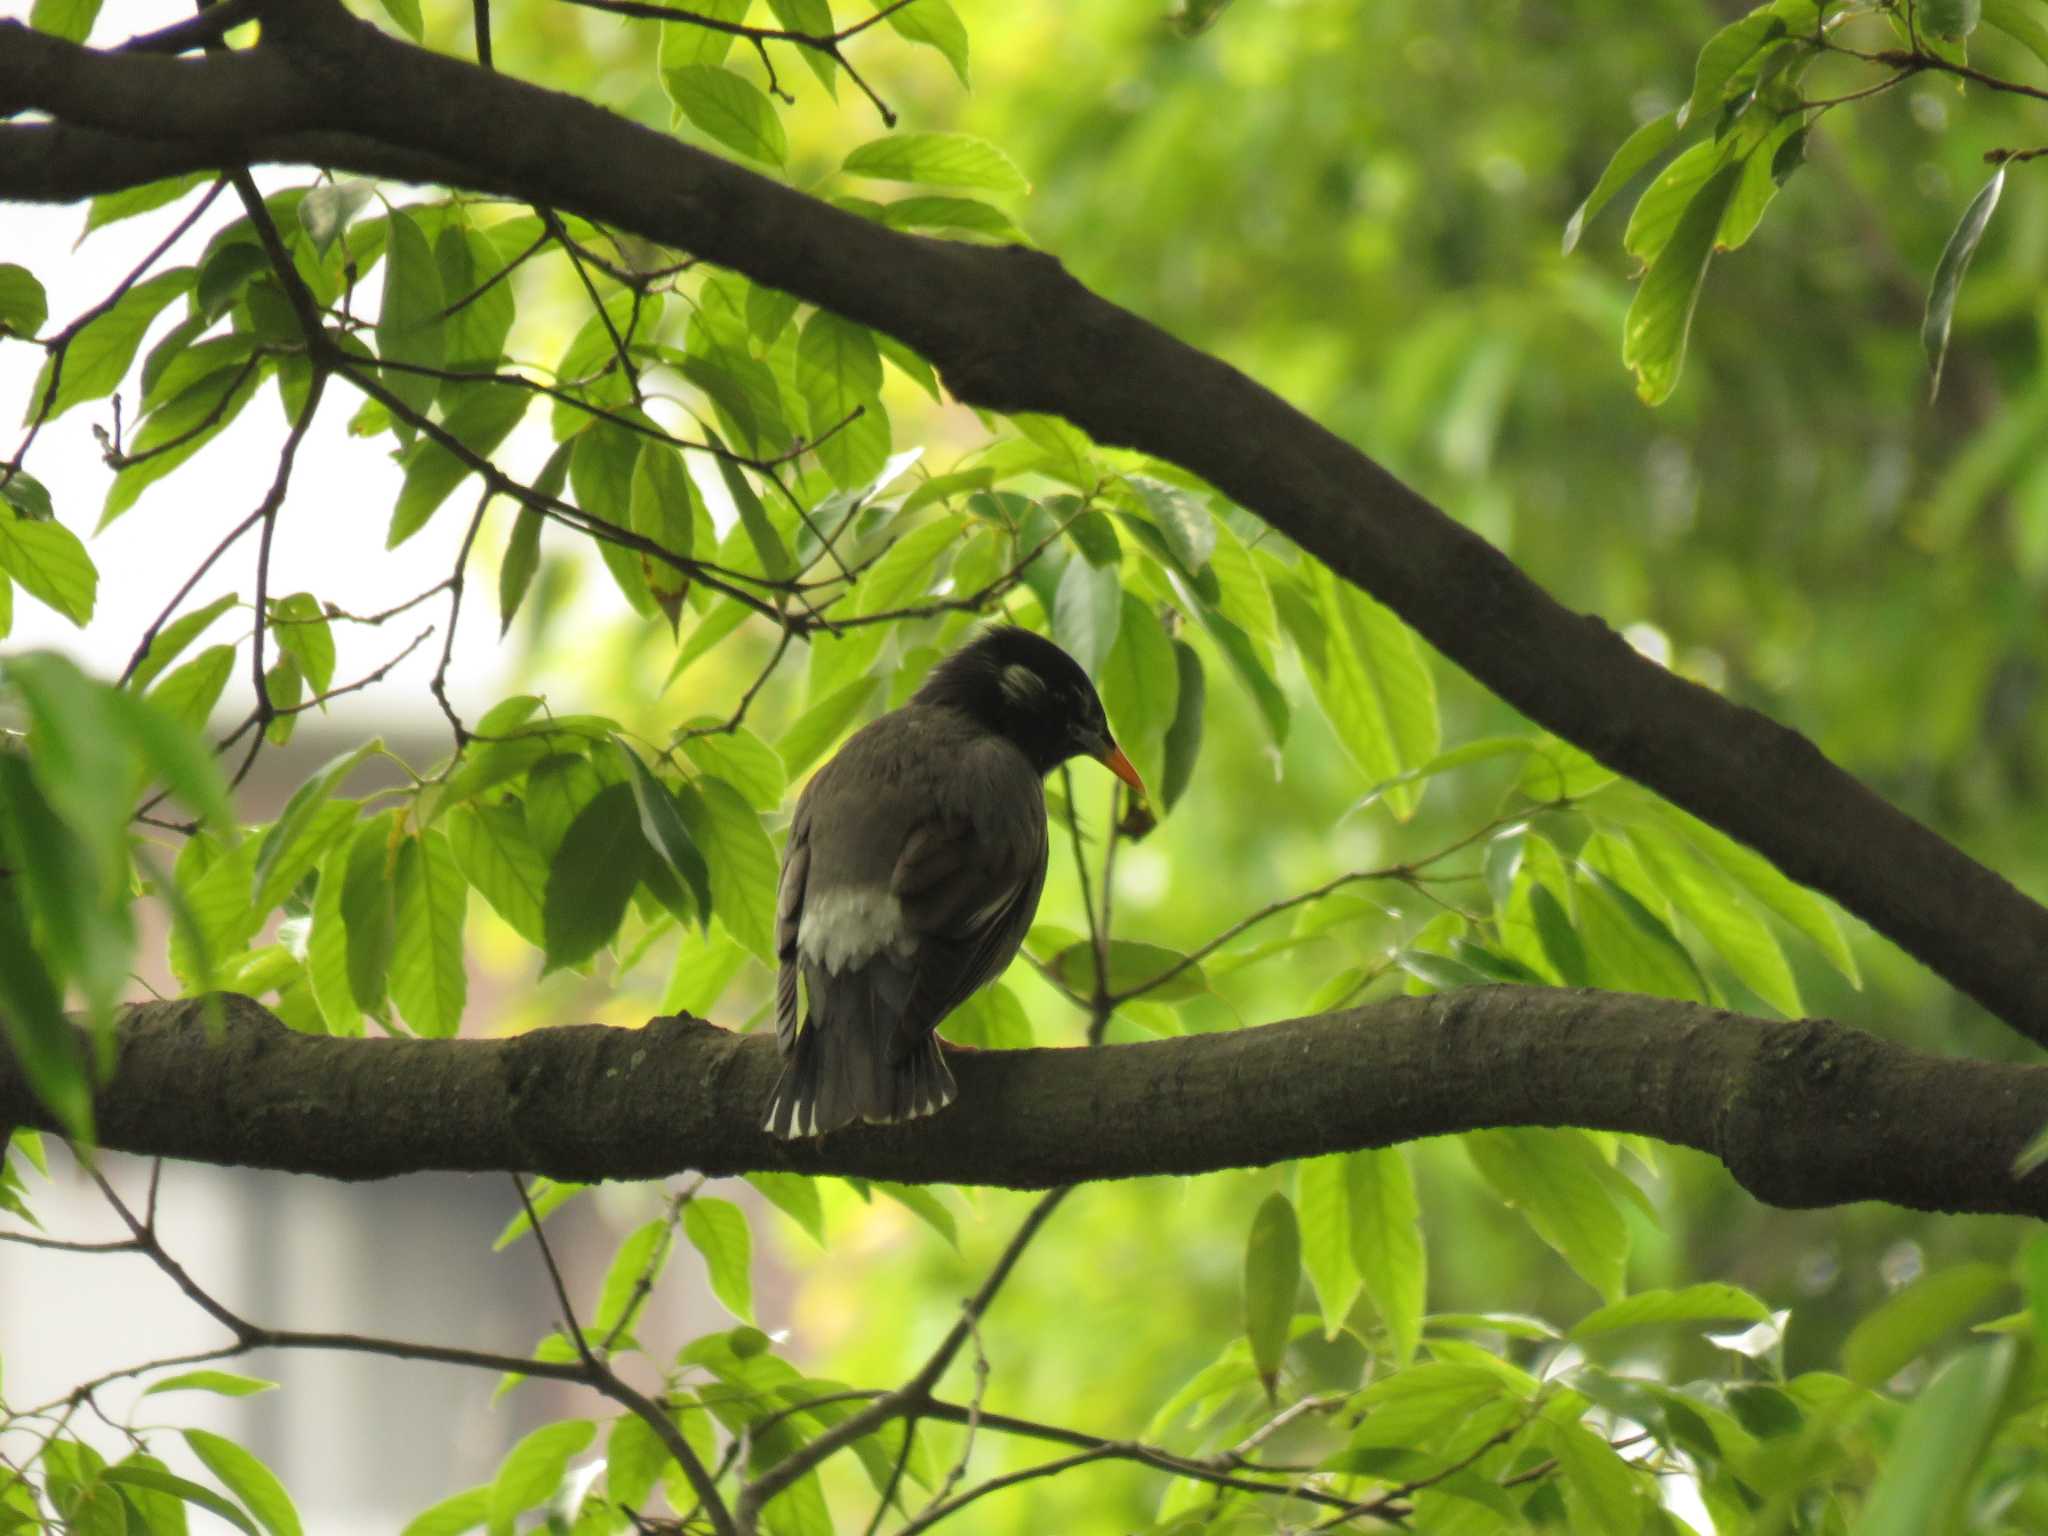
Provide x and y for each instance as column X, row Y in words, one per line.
column 912, row 872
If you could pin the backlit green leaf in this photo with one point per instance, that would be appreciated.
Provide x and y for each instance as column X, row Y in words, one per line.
column 1272, row 1275
column 939, row 160
column 430, row 899
column 718, row 1230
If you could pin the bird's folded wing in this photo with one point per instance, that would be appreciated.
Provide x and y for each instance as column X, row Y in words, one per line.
column 970, row 900
column 789, row 912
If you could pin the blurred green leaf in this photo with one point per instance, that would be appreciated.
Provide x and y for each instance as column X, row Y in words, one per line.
column 248, row 1479
column 1917, row 1318
column 1272, row 1276
column 533, row 1469
column 729, row 108
column 938, row 160
column 1948, row 276
column 1550, row 1177
column 718, row 1230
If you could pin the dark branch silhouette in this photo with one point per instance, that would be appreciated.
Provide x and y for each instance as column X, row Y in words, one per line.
column 1804, row 1113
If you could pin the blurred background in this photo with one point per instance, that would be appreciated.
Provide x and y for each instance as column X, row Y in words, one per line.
column 1361, row 206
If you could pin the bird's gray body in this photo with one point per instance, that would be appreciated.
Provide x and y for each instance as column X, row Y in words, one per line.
column 912, row 893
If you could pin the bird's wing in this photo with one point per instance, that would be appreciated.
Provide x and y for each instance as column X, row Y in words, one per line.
column 969, row 892
column 789, row 912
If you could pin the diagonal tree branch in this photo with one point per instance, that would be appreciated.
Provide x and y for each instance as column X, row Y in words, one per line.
column 1009, row 330
column 1804, row 1113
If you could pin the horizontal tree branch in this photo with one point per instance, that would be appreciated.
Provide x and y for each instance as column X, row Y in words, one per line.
column 1010, row 330
column 1805, row 1113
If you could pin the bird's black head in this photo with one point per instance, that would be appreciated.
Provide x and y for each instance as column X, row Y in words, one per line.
column 1027, row 689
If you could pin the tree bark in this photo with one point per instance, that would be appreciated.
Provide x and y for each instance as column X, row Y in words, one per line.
column 1010, row 330
column 1806, row 1113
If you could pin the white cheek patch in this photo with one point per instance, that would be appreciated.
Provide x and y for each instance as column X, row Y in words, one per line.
column 1021, row 685
column 850, row 927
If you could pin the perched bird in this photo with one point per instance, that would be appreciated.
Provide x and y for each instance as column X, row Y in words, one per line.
column 914, row 867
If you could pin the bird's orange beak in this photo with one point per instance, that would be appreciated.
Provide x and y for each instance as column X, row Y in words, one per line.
column 1112, row 757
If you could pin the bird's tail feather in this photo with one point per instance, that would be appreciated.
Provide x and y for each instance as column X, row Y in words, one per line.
column 840, row 1070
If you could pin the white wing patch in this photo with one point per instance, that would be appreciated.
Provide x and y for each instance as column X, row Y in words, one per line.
column 850, row 927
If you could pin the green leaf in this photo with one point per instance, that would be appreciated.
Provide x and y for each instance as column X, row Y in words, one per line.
column 1548, row 1175
column 158, row 1480
column 32, row 1014
column 1917, row 1318
column 939, row 160
column 2016, row 19
column 532, row 1470
column 405, row 15
column 98, row 357
column 28, row 496
column 178, row 429
column 741, row 860
column 1627, row 947
column 926, row 1206
column 936, row 24
column 1322, row 1199
column 410, row 325
column 1723, row 58
column 731, row 109
column 966, row 214
column 172, row 639
column 1939, row 1447
column 739, row 757
column 820, row 726
column 769, row 549
column 685, row 43
column 796, row 1196
column 839, row 371
column 368, row 909
column 23, row 304
column 1376, row 689
column 49, row 563
column 635, row 1270
column 1087, row 611
column 483, row 417
column 499, row 859
column 516, row 571
column 222, row 1383
column 1603, row 1485
column 429, row 901
column 295, row 840
column 992, row 1019
column 902, row 576
column 1134, row 970
column 467, row 1510
column 591, row 876
column 1659, row 317
column 1948, row 276
column 326, row 210
column 112, row 207
column 662, row 829
column 1183, row 743
column 1649, row 141
column 1707, row 1302
column 69, row 19
column 1386, row 1242
column 1715, row 905
column 248, row 1480
column 718, row 1230
column 1272, row 1276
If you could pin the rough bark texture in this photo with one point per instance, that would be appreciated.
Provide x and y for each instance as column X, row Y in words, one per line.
column 1806, row 1113
column 1009, row 330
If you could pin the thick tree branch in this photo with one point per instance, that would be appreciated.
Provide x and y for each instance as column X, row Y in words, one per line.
column 1805, row 1113
column 1010, row 330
